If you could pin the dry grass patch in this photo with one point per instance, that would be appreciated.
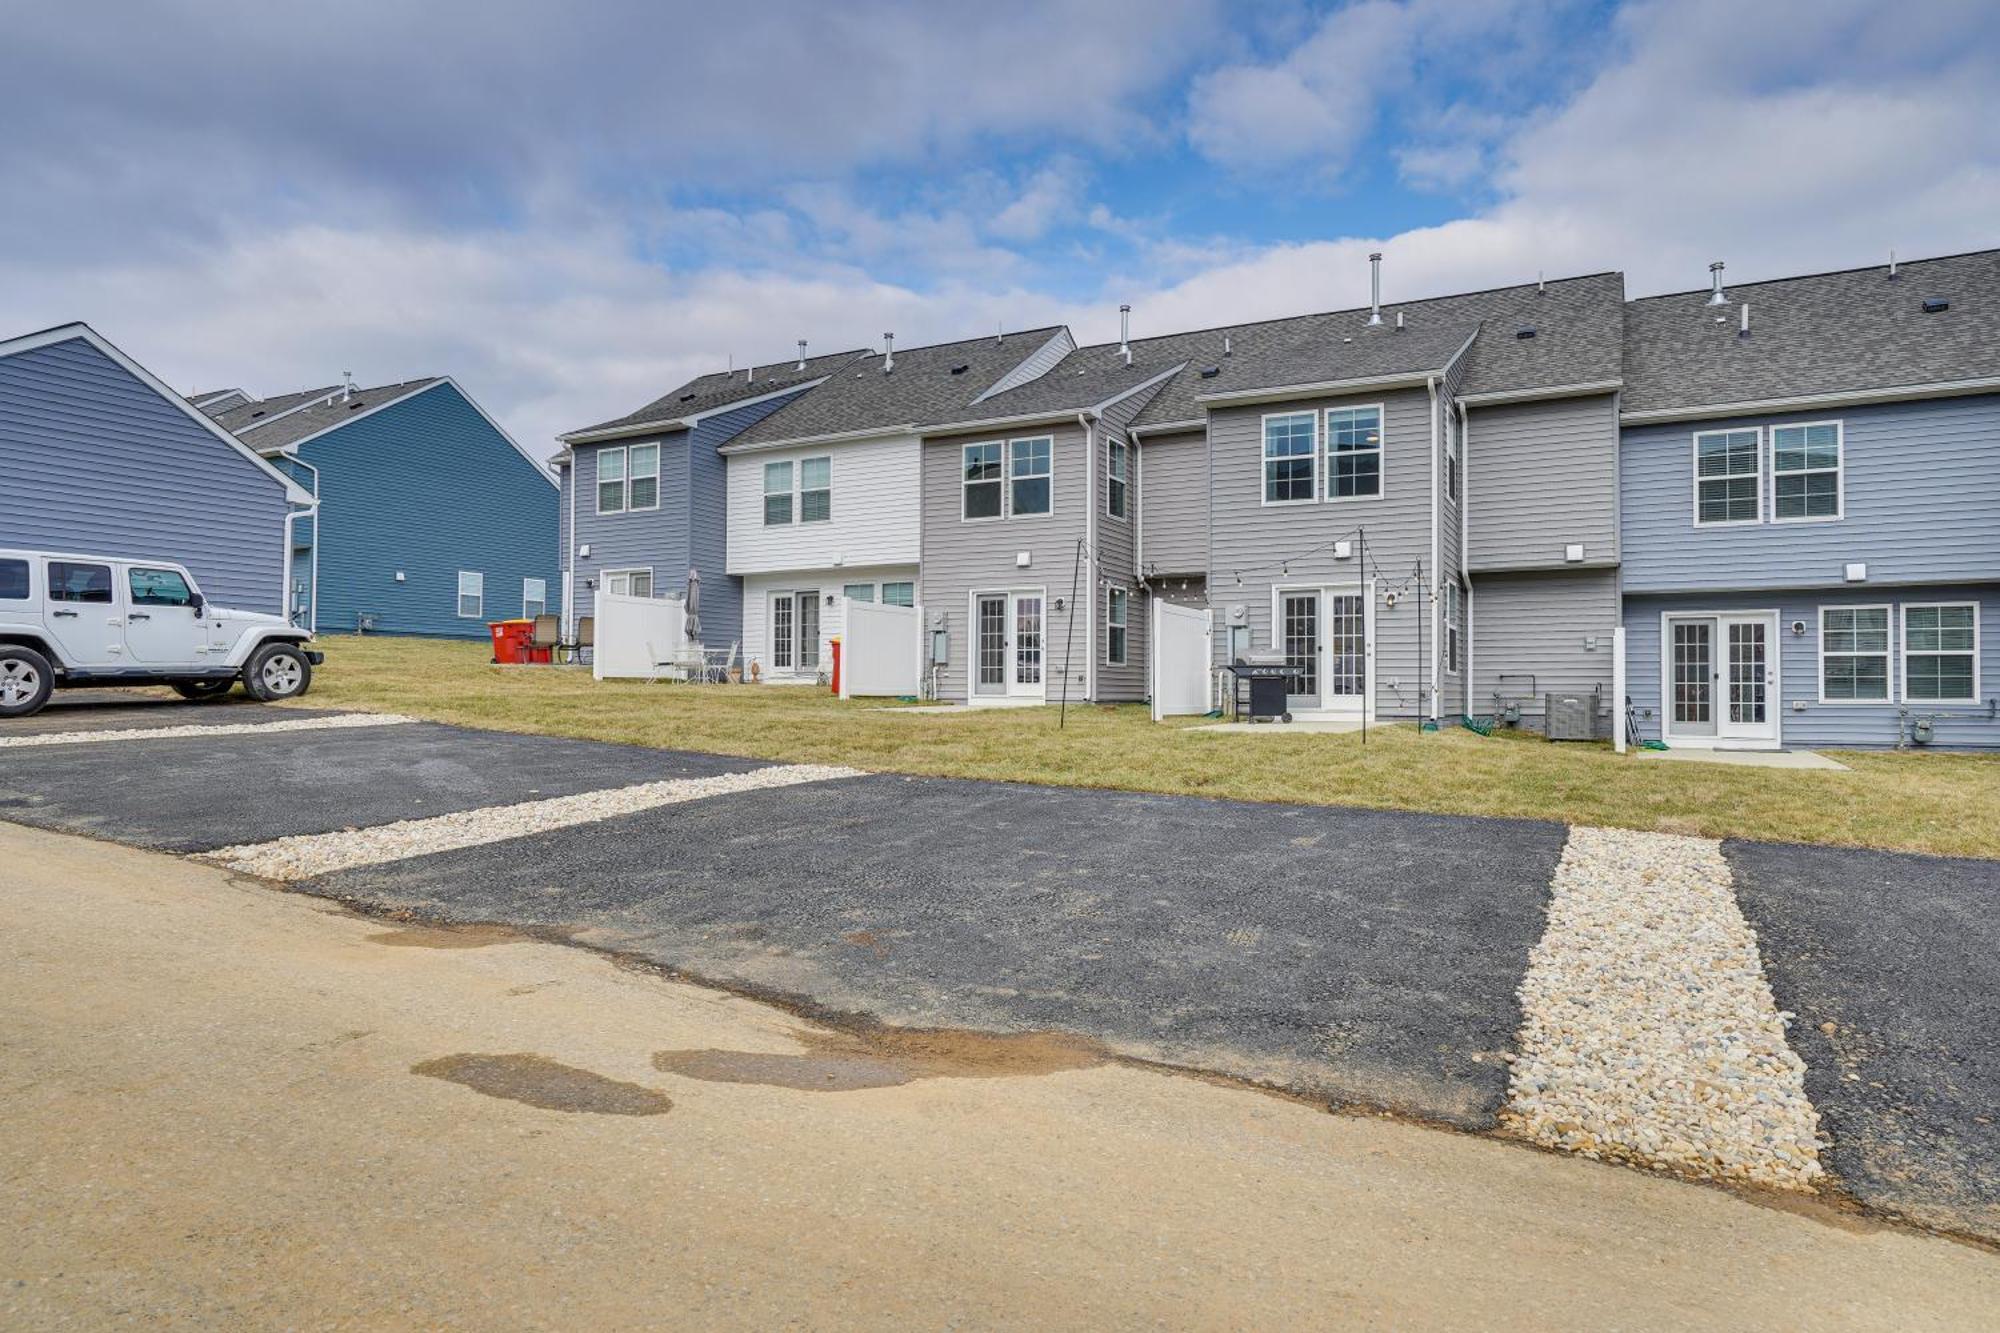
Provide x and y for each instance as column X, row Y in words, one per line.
column 1925, row 801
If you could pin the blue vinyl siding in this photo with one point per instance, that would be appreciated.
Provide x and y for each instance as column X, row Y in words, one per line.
column 1922, row 504
column 688, row 531
column 94, row 460
column 428, row 486
column 1817, row 724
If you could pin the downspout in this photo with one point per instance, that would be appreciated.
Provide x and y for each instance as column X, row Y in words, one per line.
column 1465, row 536
column 569, row 554
column 1090, row 550
column 1437, row 574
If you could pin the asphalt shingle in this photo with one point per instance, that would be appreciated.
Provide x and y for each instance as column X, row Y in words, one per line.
column 705, row 393
column 337, row 407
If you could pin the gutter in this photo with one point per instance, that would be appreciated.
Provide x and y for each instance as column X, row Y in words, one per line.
column 1320, row 388
column 1754, row 406
column 1497, row 396
column 831, row 437
column 310, row 511
column 1437, row 570
column 1089, row 590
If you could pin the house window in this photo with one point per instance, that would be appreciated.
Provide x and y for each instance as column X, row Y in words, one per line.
column 1451, row 624
column 1029, row 463
column 859, row 592
column 1728, row 477
column 1353, row 452
column 982, row 481
column 1853, row 653
column 1941, row 653
column 899, row 594
column 815, row 490
column 643, row 469
column 629, row 582
column 1450, row 456
column 534, row 598
column 1289, row 452
column 1805, row 471
column 777, row 494
column 611, row 481
column 1116, row 608
column 1117, row 465
column 471, row 594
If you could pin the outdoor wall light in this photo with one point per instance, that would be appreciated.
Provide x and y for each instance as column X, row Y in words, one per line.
column 1059, row 603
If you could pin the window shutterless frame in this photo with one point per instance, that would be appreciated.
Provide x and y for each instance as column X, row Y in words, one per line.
column 1117, row 610
column 1727, row 454
column 642, row 477
column 1945, row 634
column 534, row 598
column 994, row 475
column 1841, row 631
column 611, row 480
column 1343, row 440
column 1806, row 442
column 472, row 592
column 1278, row 478
column 1117, row 476
column 1031, row 460
column 778, row 494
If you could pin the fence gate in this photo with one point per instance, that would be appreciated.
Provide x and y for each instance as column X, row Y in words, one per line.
column 1179, row 671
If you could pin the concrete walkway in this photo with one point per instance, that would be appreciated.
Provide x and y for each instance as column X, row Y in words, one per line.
column 228, row 1105
column 1807, row 759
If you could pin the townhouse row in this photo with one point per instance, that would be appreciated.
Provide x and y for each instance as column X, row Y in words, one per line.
column 1782, row 492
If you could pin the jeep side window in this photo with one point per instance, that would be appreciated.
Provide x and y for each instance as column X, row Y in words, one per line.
column 13, row 580
column 159, row 587
column 72, row 582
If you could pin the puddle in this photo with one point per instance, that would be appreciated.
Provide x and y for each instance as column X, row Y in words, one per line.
column 536, row 1080
column 887, row 1058
column 448, row 937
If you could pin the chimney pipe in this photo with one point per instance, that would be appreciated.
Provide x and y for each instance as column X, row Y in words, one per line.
column 1125, row 333
column 346, row 385
column 1715, row 295
column 1892, row 266
column 802, row 354
column 1227, row 349
column 888, row 352
column 1743, row 324
column 1399, row 321
column 1375, row 288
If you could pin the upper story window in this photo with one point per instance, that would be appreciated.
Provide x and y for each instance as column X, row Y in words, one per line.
column 1030, row 467
column 815, row 490
column 777, row 494
column 981, row 481
column 1289, row 454
column 1805, row 471
column 1853, row 653
column 159, row 587
column 1450, row 455
column 1353, row 452
column 1117, row 466
column 1011, row 480
column 1728, row 476
column 1451, row 624
column 1117, row 608
column 628, row 477
column 1941, row 653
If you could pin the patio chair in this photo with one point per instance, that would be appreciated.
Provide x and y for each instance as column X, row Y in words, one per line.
column 548, row 635
column 586, row 638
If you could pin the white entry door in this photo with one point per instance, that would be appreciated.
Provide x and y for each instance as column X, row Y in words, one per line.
column 1324, row 634
column 1009, row 642
column 1721, row 678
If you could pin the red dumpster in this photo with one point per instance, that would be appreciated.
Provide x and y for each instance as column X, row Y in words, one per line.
column 510, row 640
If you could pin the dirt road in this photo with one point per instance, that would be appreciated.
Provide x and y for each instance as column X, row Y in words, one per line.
column 232, row 1105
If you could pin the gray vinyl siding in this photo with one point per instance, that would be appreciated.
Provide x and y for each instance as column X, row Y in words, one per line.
column 1541, row 476
column 1922, row 504
column 1117, row 564
column 961, row 558
column 1803, row 721
column 1173, row 511
column 1541, row 624
column 94, row 461
column 1251, row 541
column 1170, row 591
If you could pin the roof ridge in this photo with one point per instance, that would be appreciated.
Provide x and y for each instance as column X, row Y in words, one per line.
column 1824, row 273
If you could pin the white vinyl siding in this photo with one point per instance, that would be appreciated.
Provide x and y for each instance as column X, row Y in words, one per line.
column 1290, row 458
column 534, row 598
column 1728, row 477
column 874, row 523
column 1941, row 653
column 1806, row 478
column 1853, row 654
column 471, row 594
column 1353, row 452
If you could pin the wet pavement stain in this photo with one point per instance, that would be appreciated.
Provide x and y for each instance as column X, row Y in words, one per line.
column 536, row 1080
column 887, row 1058
column 448, row 937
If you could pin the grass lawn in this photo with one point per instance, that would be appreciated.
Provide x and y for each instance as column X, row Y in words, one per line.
column 1921, row 801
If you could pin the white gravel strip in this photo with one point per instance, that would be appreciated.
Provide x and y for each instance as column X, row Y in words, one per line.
column 311, row 854
column 1649, row 1033
column 336, row 721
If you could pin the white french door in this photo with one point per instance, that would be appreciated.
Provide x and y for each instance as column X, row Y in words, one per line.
column 1326, row 636
column 794, row 631
column 1720, row 678
column 1009, row 645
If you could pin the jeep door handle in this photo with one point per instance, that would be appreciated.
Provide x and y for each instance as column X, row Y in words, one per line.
column 67, row 615
column 140, row 615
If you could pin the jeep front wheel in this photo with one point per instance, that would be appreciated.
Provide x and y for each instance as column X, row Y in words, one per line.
column 25, row 680
column 277, row 671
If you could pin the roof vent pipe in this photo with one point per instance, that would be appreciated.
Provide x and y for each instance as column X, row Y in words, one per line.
column 1715, row 296
column 1892, row 266
column 1227, row 350
column 1743, row 324
column 888, row 352
column 346, row 385
column 1125, row 333
column 1375, row 288
column 802, row 354
column 1399, row 321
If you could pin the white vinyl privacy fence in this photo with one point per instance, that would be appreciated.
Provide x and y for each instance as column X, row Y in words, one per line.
column 1179, row 668
column 636, row 633
column 881, row 650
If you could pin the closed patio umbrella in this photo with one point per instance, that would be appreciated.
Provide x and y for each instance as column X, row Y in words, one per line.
column 694, row 605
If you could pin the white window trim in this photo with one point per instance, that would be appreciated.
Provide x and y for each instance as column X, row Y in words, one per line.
column 631, row 508
column 1889, row 654
column 1114, row 591
column 604, row 577
column 1007, row 513
column 1694, row 464
column 791, row 492
column 1264, row 458
column 479, row 591
column 1125, row 447
column 882, row 588
column 1454, row 624
column 624, row 480
column 1903, row 657
column 525, row 599
column 1381, row 452
column 963, row 484
column 800, row 488
column 874, row 592
column 1839, row 471
column 793, row 670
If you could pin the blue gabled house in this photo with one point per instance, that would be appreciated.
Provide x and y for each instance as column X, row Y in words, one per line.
column 98, row 457
column 431, row 519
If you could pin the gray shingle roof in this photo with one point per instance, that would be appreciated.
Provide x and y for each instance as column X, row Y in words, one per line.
column 321, row 415
column 1825, row 333
column 926, row 382
column 256, row 412
column 1084, row 378
column 704, row 393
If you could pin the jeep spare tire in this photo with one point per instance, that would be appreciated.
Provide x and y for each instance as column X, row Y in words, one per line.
column 26, row 678
column 277, row 671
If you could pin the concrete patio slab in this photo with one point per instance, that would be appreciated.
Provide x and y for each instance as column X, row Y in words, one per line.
column 1810, row 759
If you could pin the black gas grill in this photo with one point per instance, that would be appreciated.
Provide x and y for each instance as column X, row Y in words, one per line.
column 1263, row 680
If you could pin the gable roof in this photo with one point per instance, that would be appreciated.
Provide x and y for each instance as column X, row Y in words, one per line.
column 924, row 383
column 1823, row 334
column 315, row 412
column 212, row 401
column 254, row 412
column 705, row 394
column 294, row 493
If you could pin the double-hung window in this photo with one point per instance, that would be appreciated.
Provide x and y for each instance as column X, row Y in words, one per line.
column 1030, row 470
column 1805, row 471
column 1117, row 467
column 471, row 594
column 611, row 480
column 981, row 482
column 534, row 598
column 1853, row 654
column 1728, row 476
column 899, row 594
column 1941, row 653
column 643, row 476
column 1451, row 463
column 1353, row 452
column 1290, row 452
column 777, row 494
column 1117, row 607
column 815, row 490
column 1451, row 624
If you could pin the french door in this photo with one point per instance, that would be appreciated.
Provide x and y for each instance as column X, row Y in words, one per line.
column 795, row 632
column 1722, row 679
column 1009, row 643
column 1323, row 633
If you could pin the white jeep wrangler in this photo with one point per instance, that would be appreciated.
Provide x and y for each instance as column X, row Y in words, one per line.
column 69, row 620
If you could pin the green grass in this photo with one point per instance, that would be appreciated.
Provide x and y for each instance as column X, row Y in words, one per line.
column 1918, row 801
